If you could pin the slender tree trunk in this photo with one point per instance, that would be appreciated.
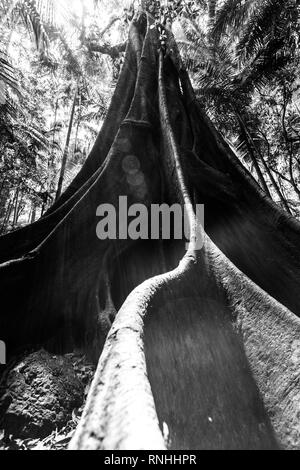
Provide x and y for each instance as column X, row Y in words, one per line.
column 3, row 200
column 2, row 186
column 251, row 150
column 270, row 171
column 212, row 7
column 271, row 177
column 30, row 216
column 52, row 157
column 273, row 181
column 7, row 216
column 67, row 146
column 16, row 204
column 289, row 145
column 78, row 120
column 33, row 213
column 20, row 206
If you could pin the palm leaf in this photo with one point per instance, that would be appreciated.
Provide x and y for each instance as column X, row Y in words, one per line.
column 8, row 75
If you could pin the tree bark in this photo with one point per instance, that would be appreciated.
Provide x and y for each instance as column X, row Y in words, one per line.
column 67, row 146
column 270, row 174
column 251, row 150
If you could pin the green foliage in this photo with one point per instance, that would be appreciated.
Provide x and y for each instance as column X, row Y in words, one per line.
column 37, row 87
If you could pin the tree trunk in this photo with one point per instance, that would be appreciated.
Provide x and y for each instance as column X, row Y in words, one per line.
column 275, row 185
column 67, row 146
column 251, row 151
column 7, row 216
column 78, row 120
column 271, row 177
column 16, row 205
column 33, row 213
column 51, row 160
column 3, row 197
column 219, row 323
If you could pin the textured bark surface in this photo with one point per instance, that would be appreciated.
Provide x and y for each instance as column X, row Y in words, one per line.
column 40, row 395
column 205, row 343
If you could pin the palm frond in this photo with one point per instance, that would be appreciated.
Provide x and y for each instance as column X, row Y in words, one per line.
column 232, row 15
column 37, row 137
column 272, row 23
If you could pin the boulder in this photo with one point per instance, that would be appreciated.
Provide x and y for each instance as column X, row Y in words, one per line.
column 39, row 395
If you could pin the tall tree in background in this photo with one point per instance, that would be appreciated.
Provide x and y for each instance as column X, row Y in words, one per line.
column 221, row 321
